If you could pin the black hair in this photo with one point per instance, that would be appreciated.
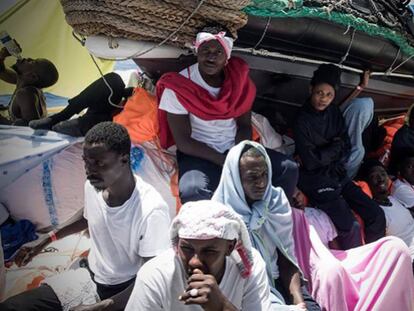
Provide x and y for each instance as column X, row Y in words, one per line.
column 367, row 167
column 251, row 151
column 215, row 28
column 327, row 73
column 46, row 72
column 114, row 136
column 406, row 154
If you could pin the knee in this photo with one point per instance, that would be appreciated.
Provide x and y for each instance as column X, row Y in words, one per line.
column 115, row 81
column 331, row 271
column 396, row 246
column 290, row 167
column 362, row 108
column 362, row 104
column 285, row 172
column 69, row 127
column 194, row 186
column 11, row 304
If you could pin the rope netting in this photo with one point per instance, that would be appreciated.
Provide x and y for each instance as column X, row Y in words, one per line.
column 176, row 22
column 298, row 8
column 153, row 20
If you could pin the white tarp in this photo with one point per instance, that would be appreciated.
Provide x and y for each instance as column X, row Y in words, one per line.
column 22, row 149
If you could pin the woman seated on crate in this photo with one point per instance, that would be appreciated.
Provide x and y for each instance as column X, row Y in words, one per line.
column 205, row 110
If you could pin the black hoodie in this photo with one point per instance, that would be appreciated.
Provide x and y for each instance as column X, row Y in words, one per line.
column 322, row 141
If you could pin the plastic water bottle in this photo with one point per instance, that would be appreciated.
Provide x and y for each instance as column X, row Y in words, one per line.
column 10, row 44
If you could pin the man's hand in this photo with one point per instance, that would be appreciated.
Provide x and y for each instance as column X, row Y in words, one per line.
column 208, row 295
column 4, row 53
column 26, row 253
column 95, row 307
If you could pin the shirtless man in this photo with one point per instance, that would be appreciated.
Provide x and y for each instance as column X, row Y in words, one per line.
column 30, row 76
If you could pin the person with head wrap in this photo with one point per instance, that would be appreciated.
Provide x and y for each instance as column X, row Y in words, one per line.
column 211, row 266
column 400, row 223
column 403, row 142
column 323, row 145
column 205, row 110
column 245, row 185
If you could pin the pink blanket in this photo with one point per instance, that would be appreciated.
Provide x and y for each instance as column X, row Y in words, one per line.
column 376, row 276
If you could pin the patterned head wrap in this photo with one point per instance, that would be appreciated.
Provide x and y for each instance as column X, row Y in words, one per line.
column 226, row 42
column 205, row 220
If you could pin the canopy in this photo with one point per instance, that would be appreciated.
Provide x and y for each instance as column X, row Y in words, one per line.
column 42, row 32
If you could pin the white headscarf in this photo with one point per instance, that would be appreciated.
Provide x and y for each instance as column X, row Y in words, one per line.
column 226, row 42
column 270, row 217
column 205, row 220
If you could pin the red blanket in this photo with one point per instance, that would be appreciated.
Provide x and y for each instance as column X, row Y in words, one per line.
column 236, row 97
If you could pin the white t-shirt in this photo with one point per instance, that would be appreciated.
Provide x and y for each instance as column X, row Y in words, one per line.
column 217, row 134
column 322, row 224
column 162, row 280
column 400, row 223
column 403, row 192
column 121, row 236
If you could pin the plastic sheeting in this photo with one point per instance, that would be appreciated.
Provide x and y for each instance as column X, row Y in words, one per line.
column 42, row 32
column 22, row 149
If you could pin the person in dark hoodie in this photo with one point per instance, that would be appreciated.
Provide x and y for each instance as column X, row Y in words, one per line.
column 323, row 146
column 403, row 143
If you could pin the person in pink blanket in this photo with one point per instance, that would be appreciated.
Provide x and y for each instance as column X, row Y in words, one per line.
column 376, row 276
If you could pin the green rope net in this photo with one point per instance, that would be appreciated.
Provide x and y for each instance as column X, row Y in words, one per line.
column 295, row 8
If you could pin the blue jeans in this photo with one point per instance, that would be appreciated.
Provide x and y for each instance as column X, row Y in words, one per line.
column 358, row 114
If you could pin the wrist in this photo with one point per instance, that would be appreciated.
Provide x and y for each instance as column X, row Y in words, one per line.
column 297, row 297
column 359, row 87
column 52, row 236
column 228, row 306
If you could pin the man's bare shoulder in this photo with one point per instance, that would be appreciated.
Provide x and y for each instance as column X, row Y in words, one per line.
column 28, row 91
column 28, row 94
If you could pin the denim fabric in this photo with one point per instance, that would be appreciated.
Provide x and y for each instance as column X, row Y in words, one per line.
column 358, row 113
